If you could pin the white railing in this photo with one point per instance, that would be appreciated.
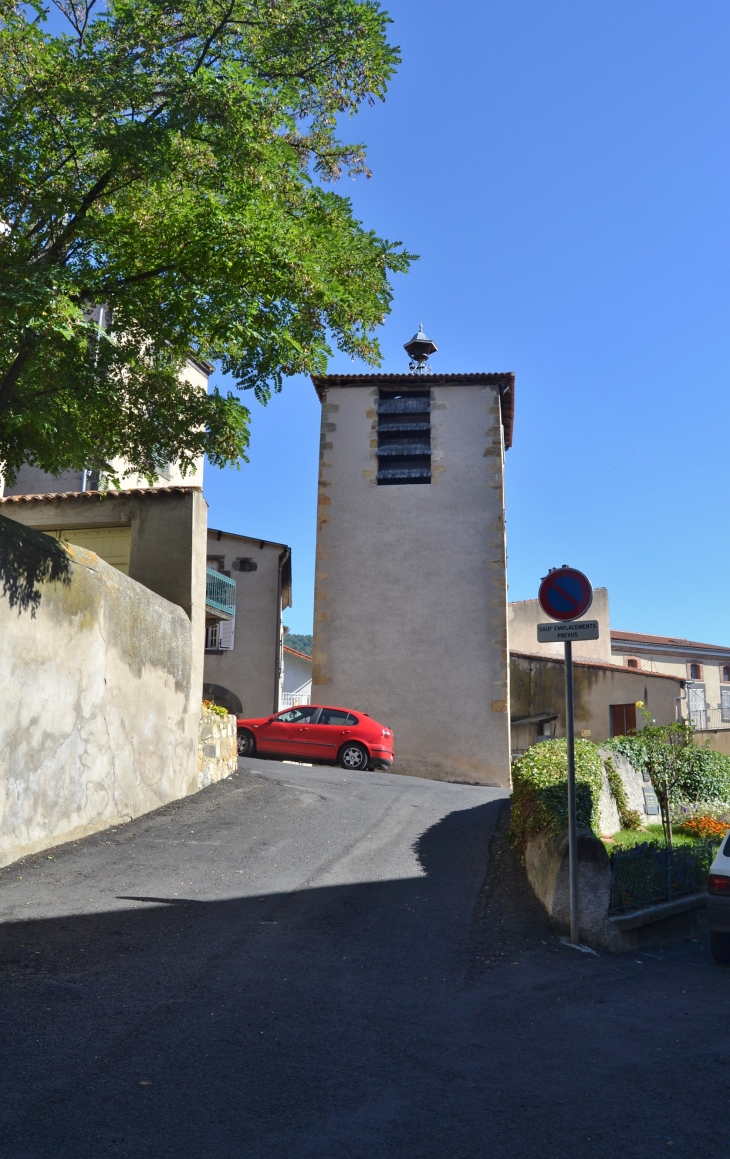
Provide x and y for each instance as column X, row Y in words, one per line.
column 301, row 696
column 707, row 718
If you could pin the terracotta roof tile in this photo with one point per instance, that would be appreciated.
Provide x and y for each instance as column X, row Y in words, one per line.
column 666, row 642
column 599, row 664
column 98, row 494
column 294, row 652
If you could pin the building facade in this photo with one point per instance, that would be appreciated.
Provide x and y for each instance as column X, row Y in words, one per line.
column 243, row 668
column 33, row 481
column 704, row 668
column 605, row 698
column 410, row 620
column 296, row 686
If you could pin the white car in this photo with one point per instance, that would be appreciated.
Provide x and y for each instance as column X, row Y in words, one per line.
column 718, row 904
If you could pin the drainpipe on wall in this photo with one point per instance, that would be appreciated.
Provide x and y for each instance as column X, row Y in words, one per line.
column 678, row 714
column 277, row 670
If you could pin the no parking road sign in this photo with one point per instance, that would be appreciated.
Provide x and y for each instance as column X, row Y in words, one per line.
column 565, row 594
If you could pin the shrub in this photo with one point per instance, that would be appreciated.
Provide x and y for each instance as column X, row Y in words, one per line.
column 540, row 789
column 705, row 775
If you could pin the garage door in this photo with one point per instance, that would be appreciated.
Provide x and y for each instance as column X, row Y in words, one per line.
column 110, row 543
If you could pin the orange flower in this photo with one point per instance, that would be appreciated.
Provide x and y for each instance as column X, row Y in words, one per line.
column 705, row 827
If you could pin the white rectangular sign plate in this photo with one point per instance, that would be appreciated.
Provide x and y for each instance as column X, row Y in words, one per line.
column 577, row 630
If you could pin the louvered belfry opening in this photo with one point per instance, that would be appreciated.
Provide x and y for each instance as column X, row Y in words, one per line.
column 404, row 437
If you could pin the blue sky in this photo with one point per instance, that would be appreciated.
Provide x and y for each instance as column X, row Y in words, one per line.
column 563, row 169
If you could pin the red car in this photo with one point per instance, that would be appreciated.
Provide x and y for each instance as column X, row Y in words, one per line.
column 319, row 733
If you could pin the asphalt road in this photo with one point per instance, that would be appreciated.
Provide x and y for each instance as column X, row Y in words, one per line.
column 301, row 962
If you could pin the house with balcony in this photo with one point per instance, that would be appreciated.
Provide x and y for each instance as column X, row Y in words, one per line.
column 248, row 586
column 704, row 668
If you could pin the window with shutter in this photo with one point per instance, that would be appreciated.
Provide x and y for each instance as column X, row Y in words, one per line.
column 226, row 634
column 404, row 437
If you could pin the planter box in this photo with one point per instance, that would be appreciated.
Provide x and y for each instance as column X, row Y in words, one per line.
column 546, row 862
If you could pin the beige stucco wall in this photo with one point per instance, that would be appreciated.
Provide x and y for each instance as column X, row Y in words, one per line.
column 101, row 705
column 249, row 670
column 525, row 615
column 410, row 619
column 32, row 480
column 537, row 685
column 716, row 739
column 679, row 666
column 167, row 545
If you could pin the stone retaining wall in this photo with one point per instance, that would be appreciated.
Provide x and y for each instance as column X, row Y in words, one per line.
column 217, row 747
column 100, row 702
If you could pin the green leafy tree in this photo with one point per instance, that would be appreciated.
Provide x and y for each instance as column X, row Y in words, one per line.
column 167, row 162
column 300, row 643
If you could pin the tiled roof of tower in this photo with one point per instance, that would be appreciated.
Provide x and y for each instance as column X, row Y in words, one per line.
column 505, row 381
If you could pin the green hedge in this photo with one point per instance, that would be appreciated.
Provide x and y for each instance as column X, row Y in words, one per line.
column 706, row 776
column 540, row 789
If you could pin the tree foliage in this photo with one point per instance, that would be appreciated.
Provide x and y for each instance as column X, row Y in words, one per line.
column 167, row 162
column 693, row 774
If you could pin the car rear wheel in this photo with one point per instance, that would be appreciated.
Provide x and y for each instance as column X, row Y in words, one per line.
column 246, row 743
column 353, row 757
column 720, row 947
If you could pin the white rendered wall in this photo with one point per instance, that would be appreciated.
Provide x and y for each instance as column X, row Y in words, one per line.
column 410, row 595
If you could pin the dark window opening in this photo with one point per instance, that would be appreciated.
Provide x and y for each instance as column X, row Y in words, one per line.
column 218, row 563
column 404, row 437
column 336, row 716
column 244, row 564
column 725, row 674
column 623, row 719
column 695, row 671
column 632, row 663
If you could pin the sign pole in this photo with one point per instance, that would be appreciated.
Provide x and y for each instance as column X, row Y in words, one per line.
column 565, row 595
column 572, row 824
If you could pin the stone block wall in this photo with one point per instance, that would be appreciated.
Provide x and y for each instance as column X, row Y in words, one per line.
column 217, row 747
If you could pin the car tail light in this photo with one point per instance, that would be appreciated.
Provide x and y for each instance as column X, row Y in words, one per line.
column 718, row 885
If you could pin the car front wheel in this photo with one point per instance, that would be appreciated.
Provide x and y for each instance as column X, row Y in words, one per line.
column 246, row 743
column 720, row 947
column 353, row 757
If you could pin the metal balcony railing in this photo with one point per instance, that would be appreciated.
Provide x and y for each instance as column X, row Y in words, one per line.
column 706, row 718
column 220, row 592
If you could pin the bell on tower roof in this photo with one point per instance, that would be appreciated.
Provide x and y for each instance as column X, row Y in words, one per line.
column 420, row 348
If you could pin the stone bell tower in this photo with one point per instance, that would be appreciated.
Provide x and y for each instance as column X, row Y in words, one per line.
column 410, row 620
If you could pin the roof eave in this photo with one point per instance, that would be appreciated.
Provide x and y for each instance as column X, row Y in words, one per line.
column 503, row 380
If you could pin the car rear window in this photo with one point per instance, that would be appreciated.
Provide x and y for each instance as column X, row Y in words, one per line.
column 336, row 716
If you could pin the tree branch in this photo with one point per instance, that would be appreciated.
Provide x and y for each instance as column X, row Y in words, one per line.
column 13, row 374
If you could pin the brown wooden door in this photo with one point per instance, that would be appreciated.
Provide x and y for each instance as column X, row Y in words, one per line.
column 623, row 719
